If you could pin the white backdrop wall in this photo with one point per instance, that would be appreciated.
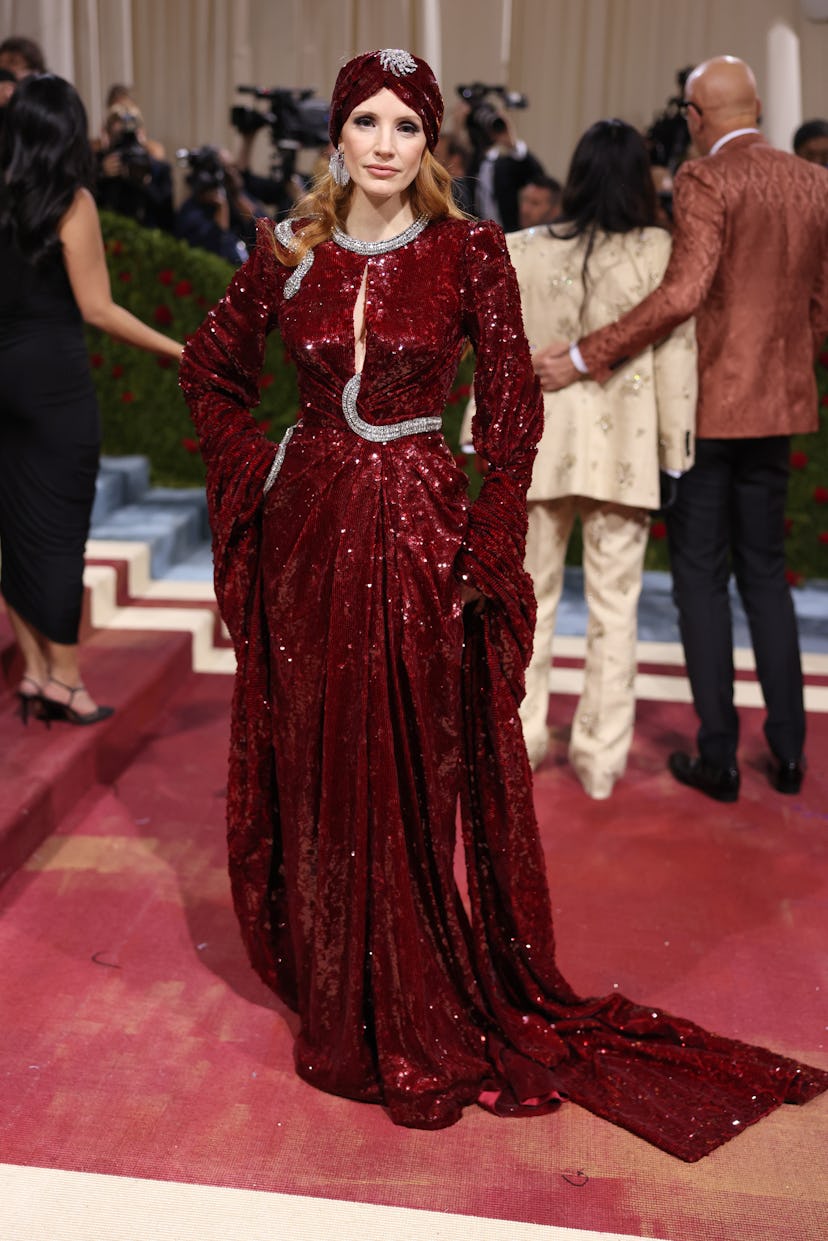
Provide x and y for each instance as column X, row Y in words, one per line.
column 577, row 60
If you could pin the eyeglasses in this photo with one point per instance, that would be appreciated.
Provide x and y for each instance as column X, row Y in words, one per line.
column 688, row 103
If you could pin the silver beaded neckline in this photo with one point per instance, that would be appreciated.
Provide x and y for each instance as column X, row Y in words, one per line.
column 380, row 247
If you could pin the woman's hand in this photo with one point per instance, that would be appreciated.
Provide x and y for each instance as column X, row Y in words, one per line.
column 554, row 367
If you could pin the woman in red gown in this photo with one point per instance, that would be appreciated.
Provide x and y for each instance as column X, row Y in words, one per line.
column 381, row 626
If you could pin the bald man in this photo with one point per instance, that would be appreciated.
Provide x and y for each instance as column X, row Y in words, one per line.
column 750, row 261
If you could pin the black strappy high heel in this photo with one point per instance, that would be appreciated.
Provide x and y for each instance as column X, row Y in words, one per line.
column 30, row 704
column 65, row 710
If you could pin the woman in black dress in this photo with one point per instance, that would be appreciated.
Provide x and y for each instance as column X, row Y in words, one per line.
column 54, row 279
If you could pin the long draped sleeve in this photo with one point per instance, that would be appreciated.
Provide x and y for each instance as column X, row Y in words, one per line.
column 219, row 375
column 507, row 427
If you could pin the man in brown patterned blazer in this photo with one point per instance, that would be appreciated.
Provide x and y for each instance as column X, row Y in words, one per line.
column 750, row 260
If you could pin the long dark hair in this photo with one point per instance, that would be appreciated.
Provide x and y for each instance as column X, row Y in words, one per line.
column 45, row 158
column 609, row 186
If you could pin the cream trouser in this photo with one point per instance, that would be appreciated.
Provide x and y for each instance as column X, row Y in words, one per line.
column 615, row 539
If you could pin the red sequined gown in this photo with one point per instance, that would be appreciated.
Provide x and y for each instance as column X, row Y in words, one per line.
column 363, row 713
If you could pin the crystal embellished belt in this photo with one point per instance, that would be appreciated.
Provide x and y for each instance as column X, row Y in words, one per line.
column 381, row 434
column 278, row 459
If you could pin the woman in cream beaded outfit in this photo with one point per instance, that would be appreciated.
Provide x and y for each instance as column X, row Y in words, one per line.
column 602, row 446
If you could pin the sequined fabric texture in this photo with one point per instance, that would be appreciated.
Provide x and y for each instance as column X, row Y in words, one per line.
column 367, row 704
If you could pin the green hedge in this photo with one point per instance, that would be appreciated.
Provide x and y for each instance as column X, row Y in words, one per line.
column 171, row 286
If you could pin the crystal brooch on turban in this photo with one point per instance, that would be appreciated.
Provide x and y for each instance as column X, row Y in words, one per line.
column 397, row 61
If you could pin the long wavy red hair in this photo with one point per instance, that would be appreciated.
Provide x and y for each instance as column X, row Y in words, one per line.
column 325, row 206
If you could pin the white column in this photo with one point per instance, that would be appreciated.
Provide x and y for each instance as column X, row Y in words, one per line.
column 782, row 104
column 505, row 41
column 432, row 40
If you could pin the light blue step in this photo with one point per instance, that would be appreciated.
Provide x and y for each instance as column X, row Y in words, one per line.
column 121, row 480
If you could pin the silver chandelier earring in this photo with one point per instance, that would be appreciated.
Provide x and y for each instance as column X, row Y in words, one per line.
column 337, row 167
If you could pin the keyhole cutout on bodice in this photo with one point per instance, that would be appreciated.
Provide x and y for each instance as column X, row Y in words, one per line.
column 360, row 324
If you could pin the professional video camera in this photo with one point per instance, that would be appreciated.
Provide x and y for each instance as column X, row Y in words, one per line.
column 135, row 158
column 484, row 121
column 668, row 137
column 294, row 117
column 206, row 171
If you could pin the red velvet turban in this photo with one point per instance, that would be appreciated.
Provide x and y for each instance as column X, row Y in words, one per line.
column 407, row 76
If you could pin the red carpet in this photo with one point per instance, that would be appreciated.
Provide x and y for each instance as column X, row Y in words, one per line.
column 137, row 1041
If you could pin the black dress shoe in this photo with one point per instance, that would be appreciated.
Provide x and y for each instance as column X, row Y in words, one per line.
column 787, row 777
column 721, row 783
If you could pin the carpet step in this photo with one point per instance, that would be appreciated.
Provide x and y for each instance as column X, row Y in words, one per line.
column 45, row 770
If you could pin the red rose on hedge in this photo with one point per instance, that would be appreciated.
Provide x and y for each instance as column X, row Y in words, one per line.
column 96, row 360
column 798, row 460
column 164, row 363
column 166, row 275
column 117, row 371
column 127, row 397
column 792, row 577
column 190, row 445
column 163, row 316
column 823, row 536
column 821, row 495
column 183, row 289
column 658, row 530
column 266, row 380
column 126, row 276
column 788, row 525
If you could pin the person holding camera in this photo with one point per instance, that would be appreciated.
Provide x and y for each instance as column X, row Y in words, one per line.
column 501, row 165
column 218, row 215
column 122, row 96
column 131, row 181
column 280, row 191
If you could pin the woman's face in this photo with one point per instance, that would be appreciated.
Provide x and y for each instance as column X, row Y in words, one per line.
column 383, row 143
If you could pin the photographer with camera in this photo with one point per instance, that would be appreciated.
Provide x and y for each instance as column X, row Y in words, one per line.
column 131, row 180
column 295, row 121
column 122, row 96
column 218, row 215
column 668, row 138
column 501, row 163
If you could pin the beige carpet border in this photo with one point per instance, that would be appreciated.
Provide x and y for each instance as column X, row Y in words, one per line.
column 42, row 1204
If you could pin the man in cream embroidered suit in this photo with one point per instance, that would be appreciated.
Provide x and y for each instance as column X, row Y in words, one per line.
column 598, row 459
column 750, row 260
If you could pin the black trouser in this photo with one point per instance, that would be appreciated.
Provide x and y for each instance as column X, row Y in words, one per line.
column 730, row 514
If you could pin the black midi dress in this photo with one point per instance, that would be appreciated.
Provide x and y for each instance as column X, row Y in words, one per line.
column 49, row 444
